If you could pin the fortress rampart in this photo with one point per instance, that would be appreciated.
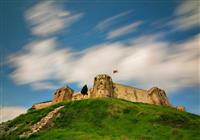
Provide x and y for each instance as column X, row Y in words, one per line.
column 42, row 105
column 104, row 87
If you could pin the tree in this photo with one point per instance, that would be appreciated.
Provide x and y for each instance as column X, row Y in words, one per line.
column 84, row 90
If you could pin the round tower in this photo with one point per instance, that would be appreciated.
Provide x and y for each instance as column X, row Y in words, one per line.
column 158, row 96
column 103, row 86
column 63, row 94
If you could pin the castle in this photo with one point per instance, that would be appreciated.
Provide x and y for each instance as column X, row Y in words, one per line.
column 104, row 87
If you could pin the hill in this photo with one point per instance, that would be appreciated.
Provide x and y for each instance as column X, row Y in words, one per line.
column 106, row 119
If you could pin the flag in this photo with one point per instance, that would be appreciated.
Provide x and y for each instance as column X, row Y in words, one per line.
column 115, row 71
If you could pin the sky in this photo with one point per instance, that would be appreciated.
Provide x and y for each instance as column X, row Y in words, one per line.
column 45, row 45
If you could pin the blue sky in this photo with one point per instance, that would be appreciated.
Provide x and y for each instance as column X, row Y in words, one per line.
column 46, row 44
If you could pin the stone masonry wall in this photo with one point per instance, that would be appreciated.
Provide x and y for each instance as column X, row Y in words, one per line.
column 131, row 94
column 158, row 96
column 152, row 96
column 104, row 87
column 79, row 96
column 63, row 94
column 42, row 105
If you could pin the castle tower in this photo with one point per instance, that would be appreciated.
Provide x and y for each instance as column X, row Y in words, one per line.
column 158, row 96
column 63, row 94
column 103, row 87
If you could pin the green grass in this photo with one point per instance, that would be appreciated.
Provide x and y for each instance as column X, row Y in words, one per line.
column 111, row 119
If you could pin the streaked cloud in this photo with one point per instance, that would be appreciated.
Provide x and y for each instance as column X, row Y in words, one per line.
column 39, row 61
column 43, row 86
column 9, row 113
column 123, row 30
column 109, row 21
column 186, row 16
column 47, row 18
column 146, row 61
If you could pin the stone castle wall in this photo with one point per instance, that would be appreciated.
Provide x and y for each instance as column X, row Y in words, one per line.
column 180, row 108
column 41, row 105
column 79, row 96
column 104, row 87
column 153, row 96
column 131, row 94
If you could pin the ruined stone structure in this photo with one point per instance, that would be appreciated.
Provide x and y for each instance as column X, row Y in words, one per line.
column 152, row 96
column 63, row 94
column 79, row 96
column 181, row 108
column 42, row 105
column 104, row 87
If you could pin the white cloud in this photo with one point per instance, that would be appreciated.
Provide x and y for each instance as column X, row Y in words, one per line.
column 8, row 113
column 43, row 85
column 40, row 61
column 47, row 18
column 144, row 60
column 98, row 59
column 186, row 16
column 123, row 30
column 109, row 21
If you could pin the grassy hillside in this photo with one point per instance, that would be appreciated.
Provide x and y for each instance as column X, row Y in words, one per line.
column 108, row 119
